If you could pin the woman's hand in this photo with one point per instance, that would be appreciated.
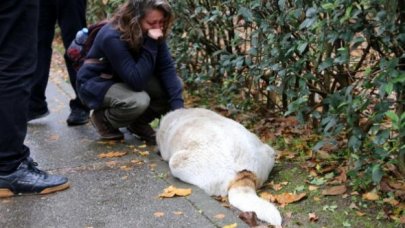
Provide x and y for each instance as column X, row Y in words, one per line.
column 155, row 34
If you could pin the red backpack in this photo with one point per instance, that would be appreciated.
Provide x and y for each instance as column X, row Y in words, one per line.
column 77, row 52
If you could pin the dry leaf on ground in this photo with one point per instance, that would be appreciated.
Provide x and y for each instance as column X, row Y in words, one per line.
column 287, row 198
column 283, row 198
column 335, row 190
column 111, row 164
column 312, row 217
column 370, row 196
column 137, row 162
column 219, row 216
column 249, row 218
column 159, row 214
column 54, row 137
column 392, row 201
column 144, row 153
column 172, row 191
column 234, row 225
column 313, row 188
column 112, row 154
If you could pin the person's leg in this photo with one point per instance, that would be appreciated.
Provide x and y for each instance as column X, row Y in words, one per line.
column 38, row 106
column 121, row 106
column 72, row 18
column 18, row 55
column 159, row 105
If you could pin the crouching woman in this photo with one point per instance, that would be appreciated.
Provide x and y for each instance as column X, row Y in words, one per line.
column 129, row 77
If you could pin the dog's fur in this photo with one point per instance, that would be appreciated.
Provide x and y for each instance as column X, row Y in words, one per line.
column 220, row 156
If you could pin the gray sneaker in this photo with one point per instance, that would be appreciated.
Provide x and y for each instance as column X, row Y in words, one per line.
column 28, row 179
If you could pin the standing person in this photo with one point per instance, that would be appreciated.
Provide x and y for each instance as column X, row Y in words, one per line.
column 71, row 17
column 129, row 77
column 18, row 55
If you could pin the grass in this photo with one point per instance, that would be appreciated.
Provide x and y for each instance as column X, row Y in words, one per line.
column 332, row 211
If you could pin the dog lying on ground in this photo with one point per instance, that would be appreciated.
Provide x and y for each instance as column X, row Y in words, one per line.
column 220, row 156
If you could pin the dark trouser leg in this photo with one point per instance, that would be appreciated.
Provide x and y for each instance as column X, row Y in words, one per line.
column 18, row 38
column 46, row 31
column 72, row 18
column 13, row 116
column 159, row 103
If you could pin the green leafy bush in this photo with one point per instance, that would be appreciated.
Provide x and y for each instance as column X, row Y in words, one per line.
column 338, row 64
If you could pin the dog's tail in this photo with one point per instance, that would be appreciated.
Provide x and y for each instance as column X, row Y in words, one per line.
column 242, row 195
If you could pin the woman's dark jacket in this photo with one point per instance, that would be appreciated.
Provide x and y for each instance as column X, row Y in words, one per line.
column 135, row 70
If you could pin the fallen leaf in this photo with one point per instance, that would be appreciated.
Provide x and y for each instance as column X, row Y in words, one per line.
column 221, row 199
column 108, row 142
column 112, row 154
column 313, row 217
column 178, row 212
column 317, row 199
column 335, row 190
column 144, row 153
column 392, row 201
column 159, row 214
column 402, row 220
column 353, row 206
column 234, row 225
column 125, row 168
column 286, row 154
column 355, row 193
column 342, row 178
column 219, row 216
column 249, row 218
column 152, row 166
column 313, row 173
column 371, row 196
column 111, row 164
column 137, row 162
column 142, row 146
column 360, row 214
column 277, row 187
column 54, row 137
column 324, row 155
column 172, row 191
column 267, row 196
column 399, row 185
column 287, row 198
column 384, row 186
column 313, row 188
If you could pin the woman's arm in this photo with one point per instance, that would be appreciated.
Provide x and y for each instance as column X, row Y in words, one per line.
column 133, row 70
column 166, row 71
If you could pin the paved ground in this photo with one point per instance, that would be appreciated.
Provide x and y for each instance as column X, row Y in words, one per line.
column 105, row 192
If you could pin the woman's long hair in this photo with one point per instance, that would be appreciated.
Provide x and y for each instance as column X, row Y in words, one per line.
column 128, row 20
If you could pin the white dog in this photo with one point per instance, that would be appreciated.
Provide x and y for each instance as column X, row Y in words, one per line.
column 220, row 156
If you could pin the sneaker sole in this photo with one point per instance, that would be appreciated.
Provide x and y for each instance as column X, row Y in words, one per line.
column 4, row 193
